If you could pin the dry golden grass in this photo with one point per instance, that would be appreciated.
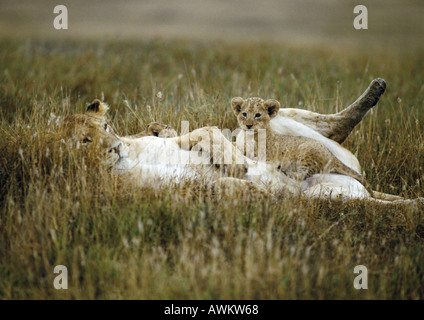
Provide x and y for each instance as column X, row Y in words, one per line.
column 57, row 207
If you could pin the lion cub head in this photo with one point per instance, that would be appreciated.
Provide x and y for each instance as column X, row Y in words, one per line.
column 254, row 113
column 90, row 131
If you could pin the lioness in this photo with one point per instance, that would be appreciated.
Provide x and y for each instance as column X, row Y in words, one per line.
column 160, row 161
column 156, row 161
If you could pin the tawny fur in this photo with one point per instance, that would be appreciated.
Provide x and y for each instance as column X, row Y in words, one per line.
column 297, row 157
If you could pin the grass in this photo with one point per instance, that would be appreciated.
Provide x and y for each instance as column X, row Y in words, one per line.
column 124, row 243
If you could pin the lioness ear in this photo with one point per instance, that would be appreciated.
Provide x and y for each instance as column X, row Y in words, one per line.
column 236, row 104
column 272, row 106
column 98, row 108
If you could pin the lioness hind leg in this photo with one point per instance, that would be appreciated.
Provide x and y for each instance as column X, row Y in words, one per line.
column 348, row 118
column 338, row 126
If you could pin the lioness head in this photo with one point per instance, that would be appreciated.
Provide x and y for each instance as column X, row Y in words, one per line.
column 254, row 113
column 90, row 130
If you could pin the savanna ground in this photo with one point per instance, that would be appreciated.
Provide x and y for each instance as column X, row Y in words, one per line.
column 133, row 243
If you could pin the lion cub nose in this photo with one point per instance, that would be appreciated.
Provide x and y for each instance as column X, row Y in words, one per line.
column 249, row 126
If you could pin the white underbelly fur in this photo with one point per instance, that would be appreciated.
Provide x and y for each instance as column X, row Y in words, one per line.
column 157, row 161
column 334, row 187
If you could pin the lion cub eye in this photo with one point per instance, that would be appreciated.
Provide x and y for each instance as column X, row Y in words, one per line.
column 244, row 114
column 257, row 115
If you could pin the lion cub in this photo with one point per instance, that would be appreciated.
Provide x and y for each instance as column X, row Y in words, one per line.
column 297, row 157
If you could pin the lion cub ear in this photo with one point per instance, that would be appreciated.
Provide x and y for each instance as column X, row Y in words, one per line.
column 272, row 106
column 236, row 104
column 98, row 108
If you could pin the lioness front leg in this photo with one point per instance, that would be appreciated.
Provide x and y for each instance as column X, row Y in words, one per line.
column 211, row 140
